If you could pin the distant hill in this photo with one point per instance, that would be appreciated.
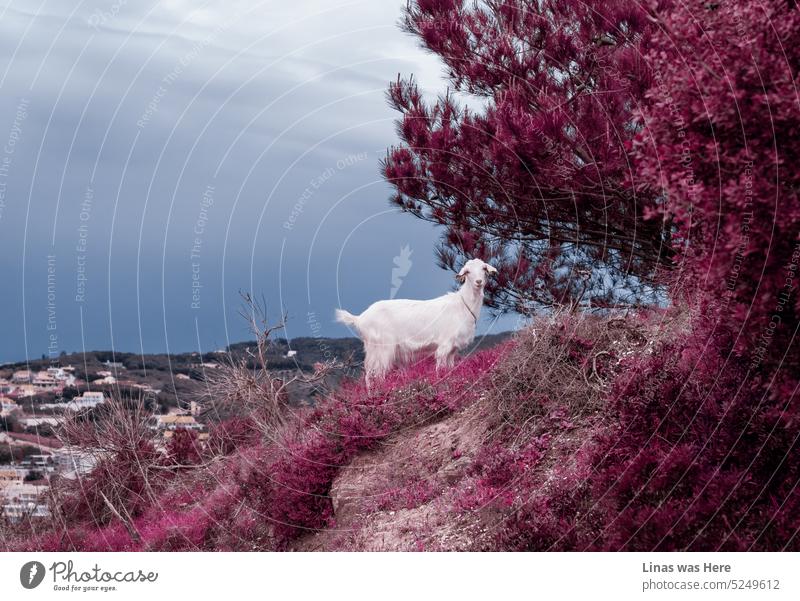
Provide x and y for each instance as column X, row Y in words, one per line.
column 178, row 377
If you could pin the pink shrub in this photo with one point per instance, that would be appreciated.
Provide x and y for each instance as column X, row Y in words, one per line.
column 126, row 479
column 184, row 448
column 699, row 462
column 709, row 424
column 232, row 434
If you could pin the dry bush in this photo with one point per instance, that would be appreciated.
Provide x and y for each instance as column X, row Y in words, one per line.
column 246, row 386
column 236, row 387
column 110, row 428
column 13, row 533
column 561, row 367
column 128, row 470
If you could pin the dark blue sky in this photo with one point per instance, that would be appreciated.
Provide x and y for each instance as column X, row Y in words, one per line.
column 157, row 157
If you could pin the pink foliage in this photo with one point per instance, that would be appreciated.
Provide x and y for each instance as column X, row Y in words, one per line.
column 709, row 424
column 184, row 448
column 536, row 180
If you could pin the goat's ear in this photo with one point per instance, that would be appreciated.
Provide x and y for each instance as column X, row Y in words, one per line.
column 490, row 270
column 461, row 276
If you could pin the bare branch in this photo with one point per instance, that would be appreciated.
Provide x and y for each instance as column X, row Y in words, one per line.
column 132, row 532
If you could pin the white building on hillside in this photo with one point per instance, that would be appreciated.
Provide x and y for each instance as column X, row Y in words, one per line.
column 22, row 376
column 87, row 400
column 34, row 422
column 63, row 374
column 7, row 406
column 71, row 462
column 26, row 390
column 46, row 381
column 23, row 501
column 166, row 425
column 10, row 474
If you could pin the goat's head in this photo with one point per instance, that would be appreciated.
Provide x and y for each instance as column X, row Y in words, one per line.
column 475, row 273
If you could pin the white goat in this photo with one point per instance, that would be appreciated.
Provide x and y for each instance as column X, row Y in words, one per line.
column 395, row 331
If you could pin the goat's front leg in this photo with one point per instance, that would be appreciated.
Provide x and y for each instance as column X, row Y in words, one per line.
column 445, row 357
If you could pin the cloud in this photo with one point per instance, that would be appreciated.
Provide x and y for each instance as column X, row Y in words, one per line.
column 145, row 105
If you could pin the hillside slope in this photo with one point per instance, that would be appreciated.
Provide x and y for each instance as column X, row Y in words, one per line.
column 410, row 465
column 545, row 442
column 463, row 481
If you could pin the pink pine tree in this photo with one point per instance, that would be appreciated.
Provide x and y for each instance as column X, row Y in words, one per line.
column 536, row 178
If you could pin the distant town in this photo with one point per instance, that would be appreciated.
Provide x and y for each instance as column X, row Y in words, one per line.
column 33, row 403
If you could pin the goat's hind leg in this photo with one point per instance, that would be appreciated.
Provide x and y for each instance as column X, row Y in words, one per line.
column 377, row 363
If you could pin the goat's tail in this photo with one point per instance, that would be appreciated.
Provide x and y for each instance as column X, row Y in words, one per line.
column 347, row 318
